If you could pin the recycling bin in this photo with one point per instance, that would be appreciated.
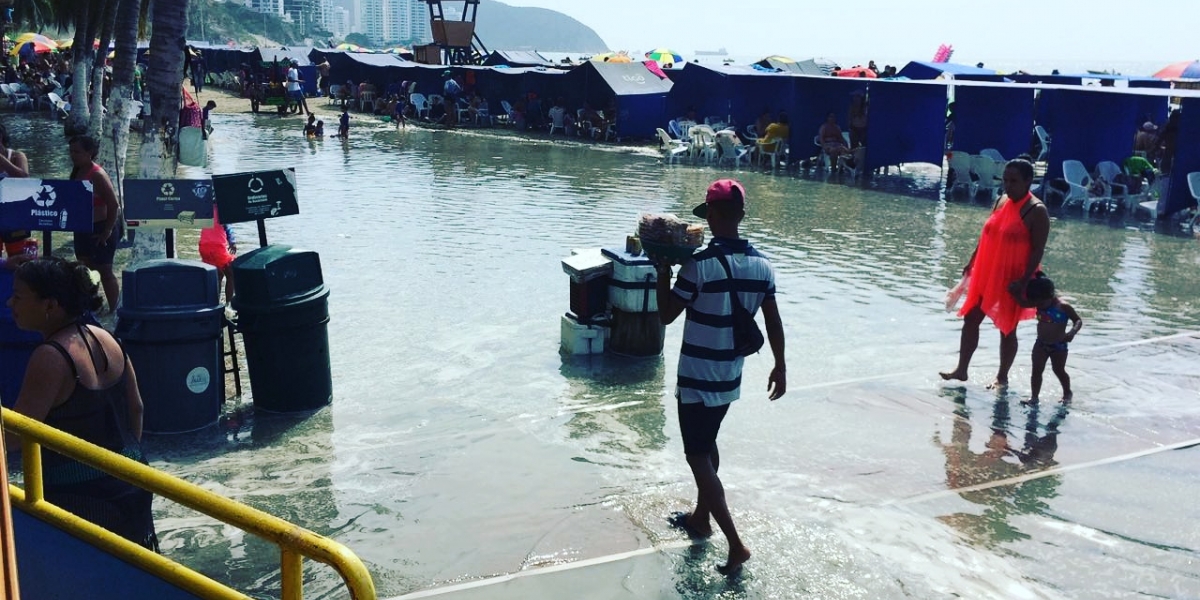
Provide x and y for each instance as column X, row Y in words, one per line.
column 282, row 309
column 16, row 346
column 170, row 323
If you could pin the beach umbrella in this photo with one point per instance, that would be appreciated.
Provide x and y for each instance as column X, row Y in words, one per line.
column 40, row 43
column 348, row 47
column 665, row 57
column 1188, row 69
column 398, row 50
column 778, row 58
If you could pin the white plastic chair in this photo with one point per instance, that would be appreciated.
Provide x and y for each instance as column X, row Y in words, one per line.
column 703, row 143
column 960, row 165
column 987, row 176
column 463, row 111
column 420, row 105
column 58, row 105
column 751, row 132
column 1043, row 140
column 731, row 148
column 1117, row 193
column 483, row 114
column 557, row 121
column 717, row 123
column 682, row 129
column 1193, row 180
column 992, row 153
column 334, row 91
column 776, row 149
column 672, row 148
column 1080, row 182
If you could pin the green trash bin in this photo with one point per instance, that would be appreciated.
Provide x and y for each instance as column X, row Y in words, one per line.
column 170, row 324
column 282, row 309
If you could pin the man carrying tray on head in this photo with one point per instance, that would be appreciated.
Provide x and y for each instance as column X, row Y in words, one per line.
column 710, row 369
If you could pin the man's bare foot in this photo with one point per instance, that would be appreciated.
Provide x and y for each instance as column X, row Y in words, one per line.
column 956, row 374
column 1030, row 402
column 998, row 384
column 737, row 558
column 1067, row 397
column 691, row 525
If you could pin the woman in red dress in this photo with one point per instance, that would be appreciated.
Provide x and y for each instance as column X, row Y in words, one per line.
column 1008, row 254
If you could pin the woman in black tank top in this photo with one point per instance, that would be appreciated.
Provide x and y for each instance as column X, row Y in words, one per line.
column 80, row 381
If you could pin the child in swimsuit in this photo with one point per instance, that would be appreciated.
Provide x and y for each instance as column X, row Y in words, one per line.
column 1052, row 335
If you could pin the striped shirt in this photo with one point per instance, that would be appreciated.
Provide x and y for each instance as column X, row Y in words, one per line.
column 709, row 370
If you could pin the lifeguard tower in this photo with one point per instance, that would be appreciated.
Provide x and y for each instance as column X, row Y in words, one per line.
column 454, row 42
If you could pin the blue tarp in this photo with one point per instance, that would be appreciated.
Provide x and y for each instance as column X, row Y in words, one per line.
column 640, row 96
column 307, row 70
column 516, row 58
column 734, row 92
column 1187, row 159
column 905, row 123
column 812, row 99
column 993, row 117
column 932, row 70
column 1088, row 125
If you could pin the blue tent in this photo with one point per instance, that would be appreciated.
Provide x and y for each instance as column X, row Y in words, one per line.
column 516, row 58
column 932, row 70
column 1089, row 125
column 640, row 95
column 735, row 92
column 308, row 71
column 812, row 99
column 905, row 123
column 993, row 116
column 1187, row 159
column 380, row 69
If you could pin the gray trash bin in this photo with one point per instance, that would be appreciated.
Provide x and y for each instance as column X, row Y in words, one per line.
column 170, row 323
column 282, row 309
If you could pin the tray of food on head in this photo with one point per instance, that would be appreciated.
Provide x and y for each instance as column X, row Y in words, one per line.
column 666, row 236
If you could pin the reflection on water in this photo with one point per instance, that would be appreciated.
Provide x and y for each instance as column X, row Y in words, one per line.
column 461, row 444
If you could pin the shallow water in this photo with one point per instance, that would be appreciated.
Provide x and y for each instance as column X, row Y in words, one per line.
column 462, row 445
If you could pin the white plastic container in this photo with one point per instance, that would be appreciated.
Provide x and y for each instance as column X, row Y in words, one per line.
column 633, row 280
column 578, row 338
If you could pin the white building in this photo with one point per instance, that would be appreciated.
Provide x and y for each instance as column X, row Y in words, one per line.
column 339, row 23
column 273, row 7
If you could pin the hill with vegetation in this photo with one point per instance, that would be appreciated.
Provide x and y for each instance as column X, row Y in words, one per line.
column 504, row 27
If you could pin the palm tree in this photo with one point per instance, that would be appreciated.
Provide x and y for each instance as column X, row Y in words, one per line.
column 108, row 18
column 85, row 18
column 160, row 133
column 121, row 106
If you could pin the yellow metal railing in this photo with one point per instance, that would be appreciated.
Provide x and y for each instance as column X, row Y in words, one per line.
column 294, row 542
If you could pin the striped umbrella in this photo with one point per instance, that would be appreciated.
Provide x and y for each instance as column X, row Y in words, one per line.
column 613, row 57
column 348, row 47
column 1188, row 69
column 665, row 57
column 40, row 43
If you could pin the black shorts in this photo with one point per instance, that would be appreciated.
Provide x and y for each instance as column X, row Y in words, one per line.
column 99, row 254
column 699, row 425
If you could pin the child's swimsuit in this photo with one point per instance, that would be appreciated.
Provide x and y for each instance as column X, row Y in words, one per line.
column 1052, row 314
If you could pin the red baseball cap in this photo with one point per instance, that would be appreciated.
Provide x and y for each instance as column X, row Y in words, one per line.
column 721, row 190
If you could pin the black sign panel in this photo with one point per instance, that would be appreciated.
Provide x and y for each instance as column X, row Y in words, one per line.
column 243, row 197
column 169, row 203
column 45, row 204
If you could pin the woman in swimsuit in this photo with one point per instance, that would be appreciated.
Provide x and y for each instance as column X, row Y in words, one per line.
column 80, row 381
column 97, row 248
column 1005, row 260
column 1052, row 336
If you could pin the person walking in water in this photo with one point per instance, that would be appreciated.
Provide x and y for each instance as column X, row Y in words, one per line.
column 1005, row 260
column 97, row 248
column 1052, row 336
column 710, row 369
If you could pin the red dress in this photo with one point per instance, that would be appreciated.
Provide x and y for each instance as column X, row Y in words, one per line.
column 1001, row 259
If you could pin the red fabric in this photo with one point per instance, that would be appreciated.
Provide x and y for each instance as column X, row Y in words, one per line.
column 654, row 68
column 1001, row 259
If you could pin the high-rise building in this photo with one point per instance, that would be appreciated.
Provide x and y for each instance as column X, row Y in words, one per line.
column 419, row 31
column 339, row 23
column 274, row 7
column 378, row 21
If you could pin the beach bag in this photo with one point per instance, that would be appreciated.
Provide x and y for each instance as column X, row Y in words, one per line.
column 747, row 338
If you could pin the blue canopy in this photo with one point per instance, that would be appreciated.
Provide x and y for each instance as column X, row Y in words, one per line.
column 932, row 70
column 639, row 94
column 815, row 97
column 1187, row 159
column 516, row 58
column 905, row 123
column 736, row 92
column 1088, row 125
column 993, row 117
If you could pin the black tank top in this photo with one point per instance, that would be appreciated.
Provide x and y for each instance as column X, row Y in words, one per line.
column 98, row 416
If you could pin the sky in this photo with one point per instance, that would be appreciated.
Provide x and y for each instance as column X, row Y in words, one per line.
column 1100, row 34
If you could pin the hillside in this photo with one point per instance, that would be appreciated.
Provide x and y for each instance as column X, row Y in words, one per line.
column 504, row 27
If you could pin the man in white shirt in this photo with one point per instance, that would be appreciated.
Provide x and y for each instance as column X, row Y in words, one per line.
column 295, row 93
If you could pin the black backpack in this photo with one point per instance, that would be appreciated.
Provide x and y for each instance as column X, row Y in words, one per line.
column 747, row 338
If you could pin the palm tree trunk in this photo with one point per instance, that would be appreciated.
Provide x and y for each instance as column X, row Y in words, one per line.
column 121, row 106
column 160, row 136
column 107, row 22
column 82, row 57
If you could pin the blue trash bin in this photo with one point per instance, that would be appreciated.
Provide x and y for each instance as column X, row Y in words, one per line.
column 16, row 346
column 170, row 323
